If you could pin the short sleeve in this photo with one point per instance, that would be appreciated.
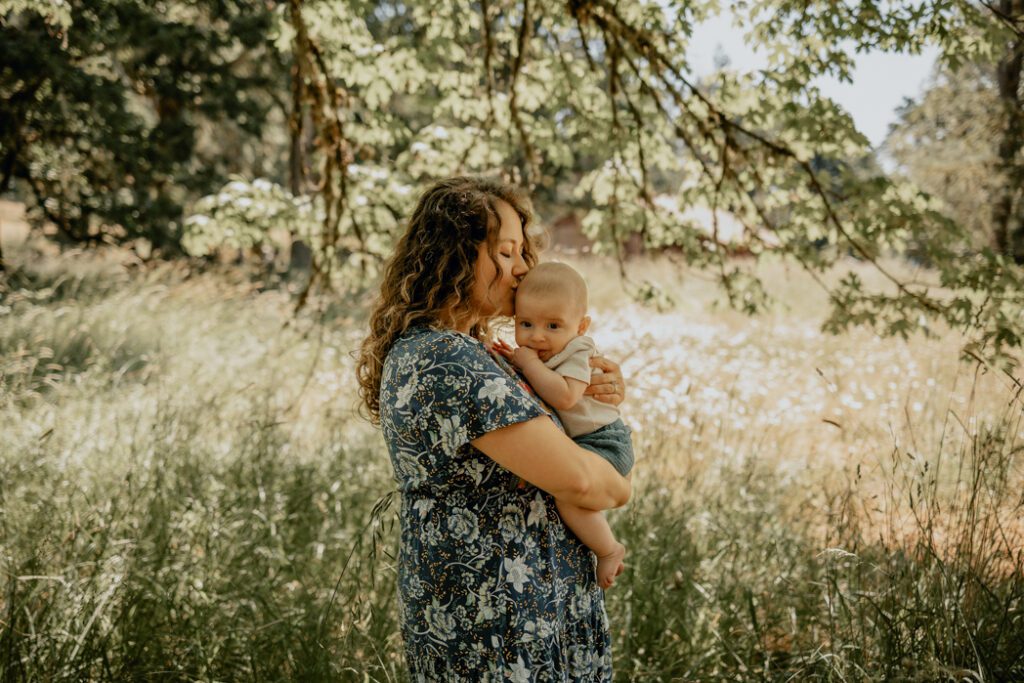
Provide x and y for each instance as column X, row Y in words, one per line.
column 453, row 391
column 574, row 360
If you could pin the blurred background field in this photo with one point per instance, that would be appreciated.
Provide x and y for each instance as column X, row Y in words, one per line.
column 188, row 493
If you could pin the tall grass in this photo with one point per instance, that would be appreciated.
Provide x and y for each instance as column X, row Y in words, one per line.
column 739, row 575
column 187, row 493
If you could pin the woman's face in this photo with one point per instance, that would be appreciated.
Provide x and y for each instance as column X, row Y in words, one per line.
column 496, row 296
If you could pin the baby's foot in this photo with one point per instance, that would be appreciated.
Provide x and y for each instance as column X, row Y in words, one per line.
column 609, row 566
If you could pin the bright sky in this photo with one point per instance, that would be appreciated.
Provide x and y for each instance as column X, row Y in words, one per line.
column 880, row 81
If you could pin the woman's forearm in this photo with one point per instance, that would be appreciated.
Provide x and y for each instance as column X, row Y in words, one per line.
column 537, row 451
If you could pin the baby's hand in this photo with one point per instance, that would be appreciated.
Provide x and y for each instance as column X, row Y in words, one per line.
column 523, row 355
column 501, row 346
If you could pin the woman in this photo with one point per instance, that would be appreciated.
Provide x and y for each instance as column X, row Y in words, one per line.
column 491, row 585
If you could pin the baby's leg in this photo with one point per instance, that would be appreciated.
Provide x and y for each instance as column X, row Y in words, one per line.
column 592, row 528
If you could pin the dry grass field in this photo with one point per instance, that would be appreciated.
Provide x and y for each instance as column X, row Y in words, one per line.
column 188, row 493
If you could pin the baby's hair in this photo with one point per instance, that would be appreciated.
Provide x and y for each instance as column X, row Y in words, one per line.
column 555, row 279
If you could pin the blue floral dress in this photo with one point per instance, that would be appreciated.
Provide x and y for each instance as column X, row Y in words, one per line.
column 492, row 585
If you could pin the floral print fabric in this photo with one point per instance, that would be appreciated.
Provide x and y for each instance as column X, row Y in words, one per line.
column 492, row 585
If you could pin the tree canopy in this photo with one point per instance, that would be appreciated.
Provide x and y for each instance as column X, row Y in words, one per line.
column 119, row 113
column 591, row 103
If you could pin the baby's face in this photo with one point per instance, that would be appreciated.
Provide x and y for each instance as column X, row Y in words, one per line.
column 547, row 323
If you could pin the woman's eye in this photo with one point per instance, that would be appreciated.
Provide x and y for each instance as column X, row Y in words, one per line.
column 506, row 255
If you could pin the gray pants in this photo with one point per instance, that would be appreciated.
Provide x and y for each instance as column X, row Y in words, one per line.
column 613, row 443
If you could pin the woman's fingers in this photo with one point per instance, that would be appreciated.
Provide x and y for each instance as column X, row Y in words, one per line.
column 605, row 365
column 604, row 388
column 608, row 385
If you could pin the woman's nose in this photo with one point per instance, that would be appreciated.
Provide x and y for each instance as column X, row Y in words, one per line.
column 519, row 266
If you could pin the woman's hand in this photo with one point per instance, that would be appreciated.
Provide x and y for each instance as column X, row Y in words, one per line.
column 607, row 386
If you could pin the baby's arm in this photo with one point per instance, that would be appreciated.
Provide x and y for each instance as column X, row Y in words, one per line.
column 559, row 392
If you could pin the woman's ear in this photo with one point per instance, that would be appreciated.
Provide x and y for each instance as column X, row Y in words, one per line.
column 584, row 325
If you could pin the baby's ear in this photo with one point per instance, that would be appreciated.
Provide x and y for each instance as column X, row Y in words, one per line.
column 584, row 325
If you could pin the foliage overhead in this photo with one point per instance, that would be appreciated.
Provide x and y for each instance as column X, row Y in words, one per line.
column 118, row 113
column 598, row 100
column 595, row 104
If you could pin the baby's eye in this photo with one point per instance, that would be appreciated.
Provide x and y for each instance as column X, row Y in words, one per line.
column 552, row 326
column 525, row 324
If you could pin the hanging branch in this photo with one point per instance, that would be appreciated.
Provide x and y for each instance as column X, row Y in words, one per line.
column 522, row 47
column 296, row 161
column 317, row 91
column 727, row 171
column 613, row 82
column 610, row 22
column 728, row 143
column 489, row 50
column 489, row 56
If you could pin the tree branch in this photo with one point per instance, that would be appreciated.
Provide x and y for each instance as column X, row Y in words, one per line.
column 1012, row 21
column 610, row 21
column 522, row 45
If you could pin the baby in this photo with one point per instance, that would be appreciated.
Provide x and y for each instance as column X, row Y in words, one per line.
column 554, row 355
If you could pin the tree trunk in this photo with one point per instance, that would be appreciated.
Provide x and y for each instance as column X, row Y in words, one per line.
column 1008, row 207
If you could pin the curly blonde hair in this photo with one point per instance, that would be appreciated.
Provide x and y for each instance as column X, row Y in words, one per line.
column 431, row 274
